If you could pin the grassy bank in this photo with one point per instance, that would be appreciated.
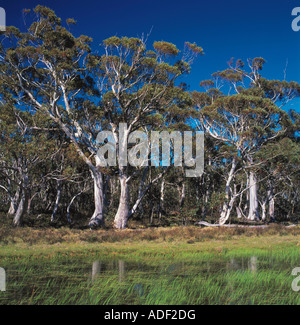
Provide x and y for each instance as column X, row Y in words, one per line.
column 181, row 265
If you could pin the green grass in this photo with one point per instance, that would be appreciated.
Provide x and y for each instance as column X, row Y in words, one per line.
column 222, row 267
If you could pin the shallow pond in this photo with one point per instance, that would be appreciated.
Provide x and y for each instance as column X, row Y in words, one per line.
column 224, row 280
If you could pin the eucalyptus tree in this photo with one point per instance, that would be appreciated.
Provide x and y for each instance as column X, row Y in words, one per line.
column 138, row 92
column 23, row 152
column 281, row 172
column 246, row 118
column 48, row 70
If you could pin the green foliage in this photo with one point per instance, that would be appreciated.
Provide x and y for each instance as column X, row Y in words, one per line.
column 56, row 94
column 165, row 48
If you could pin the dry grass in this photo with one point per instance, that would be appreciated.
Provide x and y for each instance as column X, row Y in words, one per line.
column 189, row 235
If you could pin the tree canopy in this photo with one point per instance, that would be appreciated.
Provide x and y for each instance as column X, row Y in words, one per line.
column 58, row 91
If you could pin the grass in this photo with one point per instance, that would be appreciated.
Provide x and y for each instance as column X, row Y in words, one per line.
column 180, row 265
column 191, row 234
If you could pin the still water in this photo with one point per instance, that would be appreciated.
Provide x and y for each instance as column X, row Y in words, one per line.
column 120, row 267
column 224, row 280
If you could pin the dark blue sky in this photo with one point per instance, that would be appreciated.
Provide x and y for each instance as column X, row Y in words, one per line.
column 225, row 29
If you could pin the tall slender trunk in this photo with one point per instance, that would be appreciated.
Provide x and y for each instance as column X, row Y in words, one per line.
column 121, row 217
column 205, row 199
column 227, row 206
column 14, row 203
column 113, row 186
column 142, row 191
column 271, row 198
column 97, row 218
column 162, row 199
column 263, row 210
column 151, row 212
column 253, row 199
column 22, row 207
column 23, row 203
column 31, row 197
column 182, row 194
column 105, row 193
column 70, row 204
column 58, row 196
column 238, row 207
column 206, row 185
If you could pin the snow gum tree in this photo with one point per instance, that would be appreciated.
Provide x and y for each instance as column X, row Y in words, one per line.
column 137, row 88
column 247, row 118
column 47, row 69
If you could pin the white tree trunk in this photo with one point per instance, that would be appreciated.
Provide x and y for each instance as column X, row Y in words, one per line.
column 18, row 217
column 271, row 203
column 141, row 193
column 121, row 217
column 14, row 203
column 239, row 212
column 263, row 210
column 58, row 196
column 225, row 214
column 162, row 198
column 253, row 199
column 23, row 203
column 227, row 206
column 97, row 218
column 182, row 194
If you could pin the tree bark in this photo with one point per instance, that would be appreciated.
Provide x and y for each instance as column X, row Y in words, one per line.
column 22, row 208
column 225, row 214
column 58, row 196
column 161, row 199
column 227, row 206
column 181, row 190
column 121, row 217
column 30, row 201
column 271, row 202
column 97, row 218
column 263, row 210
column 253, row 199
column 14, row 203
column 138, row 203
column 23, row 203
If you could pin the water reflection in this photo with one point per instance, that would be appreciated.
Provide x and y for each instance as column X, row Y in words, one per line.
column 99, row 267
column 253, row 264
column 242, row 264
column 96, row 269
column 121, row 267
